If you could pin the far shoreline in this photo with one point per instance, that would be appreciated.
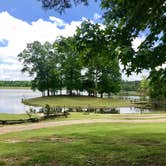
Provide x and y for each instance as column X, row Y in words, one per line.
column 14, row 87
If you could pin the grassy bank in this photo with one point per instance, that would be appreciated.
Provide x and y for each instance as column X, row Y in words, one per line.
column 82, row 116
column 4, row 116
column 91, row 144
column 77, row 101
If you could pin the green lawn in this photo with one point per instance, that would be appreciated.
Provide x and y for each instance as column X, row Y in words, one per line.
column 4, row 116
column 105, row 144
column 75, row 101
column 82, row 115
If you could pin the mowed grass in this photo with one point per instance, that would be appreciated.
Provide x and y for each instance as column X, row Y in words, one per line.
column 100, row 144
column 4, row 116
column 84, row 116
column 77, row 101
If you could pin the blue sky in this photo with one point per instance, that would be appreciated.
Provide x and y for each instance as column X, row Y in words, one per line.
column 31, row 10
column 24, row 21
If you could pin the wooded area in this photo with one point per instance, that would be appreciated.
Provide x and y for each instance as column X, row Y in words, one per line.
column 125, row 21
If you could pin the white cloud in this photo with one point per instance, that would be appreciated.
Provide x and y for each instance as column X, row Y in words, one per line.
column 97, row 16
column 137, row 41
column 135, row 76
column 57, row 20
column 18, row 33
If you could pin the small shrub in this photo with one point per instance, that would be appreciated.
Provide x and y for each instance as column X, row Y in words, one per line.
column 31, row 112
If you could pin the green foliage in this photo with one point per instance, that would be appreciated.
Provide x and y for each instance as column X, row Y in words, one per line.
column 102, row 68
column 70, row 65
column 144, row 85
column 131, row 23
column 125, row 21
column 60, row 5
column 158, row 84
column 130, row 85
column 39, row 61
column 31, row 112
column 15, row 83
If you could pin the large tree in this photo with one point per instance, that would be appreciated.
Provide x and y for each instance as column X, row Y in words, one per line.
column 144, row 19
column 40, row 62
column 110, row 78
column 97, row 56
column 135, row 18
column 158, row 84
column 128, row 19
column 71, row 65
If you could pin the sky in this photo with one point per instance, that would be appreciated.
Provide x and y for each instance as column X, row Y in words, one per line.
column 24, row 21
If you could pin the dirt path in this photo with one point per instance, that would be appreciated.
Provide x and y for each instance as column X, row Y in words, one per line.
column 32, row 126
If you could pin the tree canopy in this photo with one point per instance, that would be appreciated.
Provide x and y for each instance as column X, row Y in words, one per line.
column 61, row 5
column 128, row 19
column 158, row 84
column 94, row 47
column 65, row 64
column 133, row 19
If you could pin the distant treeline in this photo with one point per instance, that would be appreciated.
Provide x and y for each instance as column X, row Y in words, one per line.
column 125, row 85
column 15, row 83
column 130, row 85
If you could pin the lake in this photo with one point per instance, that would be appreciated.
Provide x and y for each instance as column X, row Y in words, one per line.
column 10, row 102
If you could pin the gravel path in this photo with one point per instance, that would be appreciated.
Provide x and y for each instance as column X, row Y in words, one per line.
column 32, row 126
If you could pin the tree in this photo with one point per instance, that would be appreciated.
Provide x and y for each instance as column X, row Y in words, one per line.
column 39, row 61
column 131, row 18
column 125, row 21
column 128, row 19
column 61, row 5
column 71, row 64
column 130, row 85
column 130, row 24
column 158, row 84
column 110, row 78
column 144, row 85
column 94, row 47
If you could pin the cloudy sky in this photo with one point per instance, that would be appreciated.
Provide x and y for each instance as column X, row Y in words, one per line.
column 24, row 21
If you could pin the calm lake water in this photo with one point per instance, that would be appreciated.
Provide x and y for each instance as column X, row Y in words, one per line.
column 10, row 102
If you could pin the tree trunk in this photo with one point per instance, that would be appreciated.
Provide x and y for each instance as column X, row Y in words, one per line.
column 96, row 84
column 48, row 92
column 101, row 95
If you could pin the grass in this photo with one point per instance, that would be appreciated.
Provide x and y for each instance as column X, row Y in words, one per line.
column 82, row 115
column 105, row 144
column 77, row 101
column 4, row 116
